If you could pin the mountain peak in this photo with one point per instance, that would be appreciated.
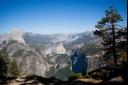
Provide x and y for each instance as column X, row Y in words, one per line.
column 60, row 48
column 17, row 35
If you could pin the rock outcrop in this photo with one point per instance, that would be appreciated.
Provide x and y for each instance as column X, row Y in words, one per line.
column 17, row 35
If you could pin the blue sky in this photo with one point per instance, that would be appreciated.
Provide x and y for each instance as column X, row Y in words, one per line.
column 56, row 16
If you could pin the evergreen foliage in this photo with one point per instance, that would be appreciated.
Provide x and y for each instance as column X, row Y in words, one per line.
column 3, row 64
column 111, row 33
column 14, row 71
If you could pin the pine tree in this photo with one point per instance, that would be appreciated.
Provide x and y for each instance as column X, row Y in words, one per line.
column 14, row 71
column 3, row 64
column 106, row 29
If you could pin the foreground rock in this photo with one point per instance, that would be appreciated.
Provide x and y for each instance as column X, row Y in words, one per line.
column 52, row 81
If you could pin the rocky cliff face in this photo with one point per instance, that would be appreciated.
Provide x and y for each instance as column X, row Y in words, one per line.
column 59, row 48
column 17, row 35
column 44, row 55
column 29, row 61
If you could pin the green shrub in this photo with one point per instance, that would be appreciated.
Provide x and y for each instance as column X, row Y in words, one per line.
column 3, row 66
column 31, row 76
column 14, row 71
column 76, row 76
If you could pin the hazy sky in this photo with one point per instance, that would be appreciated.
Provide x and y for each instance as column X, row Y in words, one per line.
column 56, row 16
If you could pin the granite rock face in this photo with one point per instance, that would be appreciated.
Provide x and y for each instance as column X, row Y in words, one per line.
column 17, row 35
column 29, row 61
column 47, row 55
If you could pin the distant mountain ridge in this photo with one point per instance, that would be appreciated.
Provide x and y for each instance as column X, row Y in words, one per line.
column 43, row 54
